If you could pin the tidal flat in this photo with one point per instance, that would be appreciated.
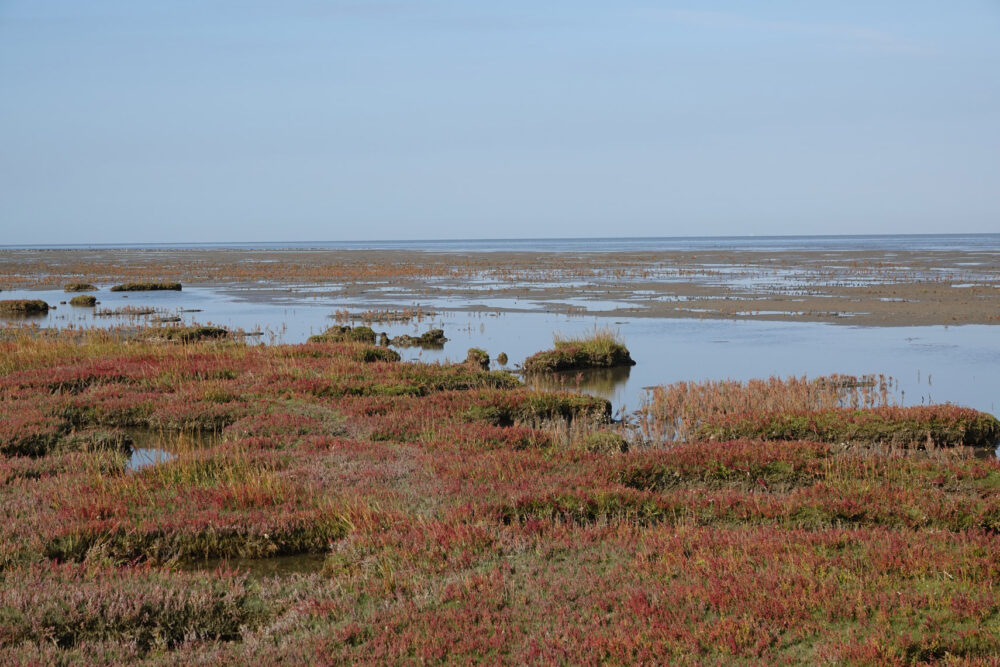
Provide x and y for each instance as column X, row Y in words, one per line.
column 755, row 489
column 882, row 286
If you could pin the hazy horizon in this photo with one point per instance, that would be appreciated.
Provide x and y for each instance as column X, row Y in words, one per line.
column 947, row 241
column 223, row 122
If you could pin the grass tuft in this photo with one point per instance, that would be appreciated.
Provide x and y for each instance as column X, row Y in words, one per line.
column 23, row 307
column 146, row 287
column 602, row 348
column 83, row 301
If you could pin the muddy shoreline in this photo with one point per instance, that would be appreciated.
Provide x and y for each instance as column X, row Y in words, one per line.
column 868, row 288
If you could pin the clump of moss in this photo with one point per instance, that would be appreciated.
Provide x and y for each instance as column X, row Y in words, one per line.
column 345, row 334
column 146, row 287
column 605, row 442
column 23, row 307
column 601, row 349
column 430, row 339
column 478, row 358
column 84, row 300
column 79, row 287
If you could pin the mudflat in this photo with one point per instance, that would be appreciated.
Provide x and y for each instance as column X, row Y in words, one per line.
column 859, row 287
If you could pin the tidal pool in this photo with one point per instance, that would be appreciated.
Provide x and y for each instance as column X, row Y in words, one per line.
column 151, row 446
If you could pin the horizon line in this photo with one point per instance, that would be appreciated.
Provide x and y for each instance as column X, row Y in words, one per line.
column 304, row 243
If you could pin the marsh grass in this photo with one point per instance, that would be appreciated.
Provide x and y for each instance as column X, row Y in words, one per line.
column 432, row 339
column 380, row 316
column 601, row 348
column 836, row 408
column 466, row 518
column 345, row 334
column 23, row 307
column 79, row 287
column 146, row 287
column 676, row 411
column 191, row 334
column 83, row 301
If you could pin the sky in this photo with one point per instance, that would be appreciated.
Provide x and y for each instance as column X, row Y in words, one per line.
column 252, row 121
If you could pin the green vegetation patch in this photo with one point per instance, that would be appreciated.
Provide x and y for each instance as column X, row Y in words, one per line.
column 146, row 287
column 602, row 349
column 432, row 339
column 79, row 287
column 83, row 301
column 345, row 334
column 369, row 355
column 23, row 307
column 191, row 334
column 478, row 358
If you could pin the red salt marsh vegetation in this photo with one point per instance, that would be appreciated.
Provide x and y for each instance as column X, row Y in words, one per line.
column 456, row 515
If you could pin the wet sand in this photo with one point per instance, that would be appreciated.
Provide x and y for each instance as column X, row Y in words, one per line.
column 871, row 287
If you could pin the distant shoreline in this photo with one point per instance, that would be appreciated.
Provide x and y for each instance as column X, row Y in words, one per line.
column 979, row 241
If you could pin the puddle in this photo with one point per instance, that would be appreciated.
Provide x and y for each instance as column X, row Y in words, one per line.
column 144, row 457
column 151, row 447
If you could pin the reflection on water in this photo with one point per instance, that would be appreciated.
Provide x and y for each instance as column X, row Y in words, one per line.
column 604, row 382
column 143, row 457
column 151, row 446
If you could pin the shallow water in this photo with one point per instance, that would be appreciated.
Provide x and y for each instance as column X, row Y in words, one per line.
column 959, row 364
column 151, row 446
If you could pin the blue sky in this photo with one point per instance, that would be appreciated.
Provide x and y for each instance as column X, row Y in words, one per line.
column 199, row 120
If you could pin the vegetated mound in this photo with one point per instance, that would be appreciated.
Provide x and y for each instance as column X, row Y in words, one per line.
column 478, row 358
column 600, row 349
column 23, row 307
column 345, row 334
column 83, row 300
column 146, row 287
column 930, row 426
column 372, row 354
column 79, row 287
column 429, row 339
column 188, row 334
